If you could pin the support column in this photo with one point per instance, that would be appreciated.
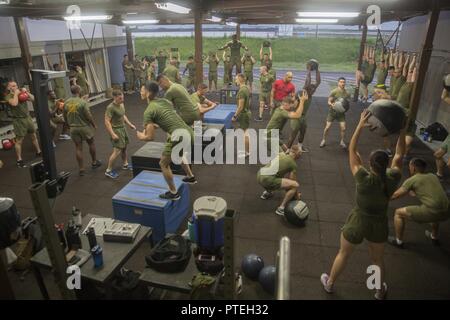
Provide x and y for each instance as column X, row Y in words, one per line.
column 361, row 53
column 129, row 44
column 198, row 46
column 425, row 55
column 238, row 31
column 396, row 36
column 22, row 35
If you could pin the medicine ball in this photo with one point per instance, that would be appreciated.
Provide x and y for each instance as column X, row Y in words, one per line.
column 251, row 266
column 341, row 105
column 296, row 212
column 7, row 144
column 387, row 117
column 446, row 82
column 267, row 279
column 313, row 63
column 23, row 96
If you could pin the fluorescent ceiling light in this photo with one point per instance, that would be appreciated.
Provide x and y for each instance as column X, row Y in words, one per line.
column 231, row 24
column 131, row 13
column 328, row 14
column 4, row 1
column 87, row 18
column 313, row 21
column 172, row 7
column 214, row 19
column 140, row 21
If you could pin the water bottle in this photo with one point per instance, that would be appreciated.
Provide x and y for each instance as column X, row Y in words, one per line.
column 426, row 135
column 76, row 216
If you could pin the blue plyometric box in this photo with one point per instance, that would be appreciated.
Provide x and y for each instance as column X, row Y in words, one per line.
column 139, row 202
column 222, row 114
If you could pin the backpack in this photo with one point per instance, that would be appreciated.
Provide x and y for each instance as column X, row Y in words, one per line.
column 170, row 255
column 437, row 131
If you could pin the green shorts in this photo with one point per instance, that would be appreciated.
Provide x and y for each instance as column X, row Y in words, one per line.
column 23, row 126
column 423, row 214
column 269, row 143
column 359, row 227
column 335, row 116
column 270, row 183
column 171, row 144
column 244, row 119
column 446, row 144
column 411, row 130
column 264, row 97
column 80, row 134
column 212, row 76
column 123, row 141
column 189, row 82
column 248, row 76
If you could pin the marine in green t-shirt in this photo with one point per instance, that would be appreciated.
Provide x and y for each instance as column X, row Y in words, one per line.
column 248, row 61
column 190, row 68
column 382, row 74
column 82, row 82
column 227, row 69
column 161, row 58
column 280, row 173
column 243, row 113
column 213, row 61
column 172, row 73
column 235, row 52
column 185, row 107
column 128, row 73
column 266, row 81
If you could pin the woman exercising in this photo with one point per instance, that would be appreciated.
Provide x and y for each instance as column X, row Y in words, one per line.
column 368, row 220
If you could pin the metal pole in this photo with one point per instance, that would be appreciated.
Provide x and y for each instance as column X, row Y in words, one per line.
column 396, row 36
column 361, row 53
column 42, row 208
column 284, row 269
column 6, row 290
column 24, row 46
column 228, row 256
column 238, row 31
column 129, row 44
column 424, row 61
column 198, row 46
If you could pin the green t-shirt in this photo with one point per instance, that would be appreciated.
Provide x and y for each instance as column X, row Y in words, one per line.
column 178, row 95
column 339, row 93
column 404, row 95
column 278, row 119
column 235, row 48
column 19, row 111
column 197, row 99
column 266, row 62
column 143, row 70
column 137, row 67
column 81, row 80
column 213, row 63
column 372, row 195
column 116, row 114
column 396, row 86
column 162, row 113
column 162, row 59
column 190, row 66
column 266, row 82
column 244, row 93
column 151, row 73
column 428, row 190
column 127, row 67
column 382, row 75
column 286, row 164
column 172, row 73
column 77, row 112
column 248, row 65
column 369, row 72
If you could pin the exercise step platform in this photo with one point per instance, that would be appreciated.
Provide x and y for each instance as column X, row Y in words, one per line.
column 147, row 158
column 228, row 94
column 222, row 114
column 139, row 202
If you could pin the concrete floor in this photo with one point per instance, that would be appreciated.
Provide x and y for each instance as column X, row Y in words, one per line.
column 421, row 271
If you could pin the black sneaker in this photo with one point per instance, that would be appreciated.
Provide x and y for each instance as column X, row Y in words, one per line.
column 21, row 164
column 258, row 119
column 189, row 180
column 393, row 242
column 170, row 196
column 96, row 164
column 38, row 154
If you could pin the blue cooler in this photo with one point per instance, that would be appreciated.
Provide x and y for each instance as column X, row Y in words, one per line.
column 139, row 202
column 222, row 114
column 208, row 219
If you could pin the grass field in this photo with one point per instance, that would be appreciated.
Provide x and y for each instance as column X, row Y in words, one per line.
column 333, row 54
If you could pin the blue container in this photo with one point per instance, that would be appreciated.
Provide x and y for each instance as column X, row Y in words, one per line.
column 208, row 219
column 97, row 255
column 222, row 114
column 139, row 202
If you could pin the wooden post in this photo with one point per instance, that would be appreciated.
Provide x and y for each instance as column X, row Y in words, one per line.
column 425, row 55
column 22, row 35
column 396, row 36
column 361, row 53
column 198, row 46
column 129, row 43
column 238, row 31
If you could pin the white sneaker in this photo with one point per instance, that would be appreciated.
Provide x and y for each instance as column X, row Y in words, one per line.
column 280, row 211
column 324, row 280
column 322, row 144
column 266, row 195
column 243, row 154
column 381, row 294
column 343, row 145
column 54, row 145
column 64, row 137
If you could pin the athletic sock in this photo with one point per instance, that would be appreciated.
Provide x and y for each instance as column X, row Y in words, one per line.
column 399, row 242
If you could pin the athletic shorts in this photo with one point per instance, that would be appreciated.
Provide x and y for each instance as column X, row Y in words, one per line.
column 446, row 144
column 359, row 227
column 411, row 130
column 123, row 141
column 80, row 134
column 269, row 183
column 167, row 151
column 248, row 76
column 244, row 120
column 335, row 116
column 23, row 126
column 212, row 76
column 423, row 214
column 264, row 97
